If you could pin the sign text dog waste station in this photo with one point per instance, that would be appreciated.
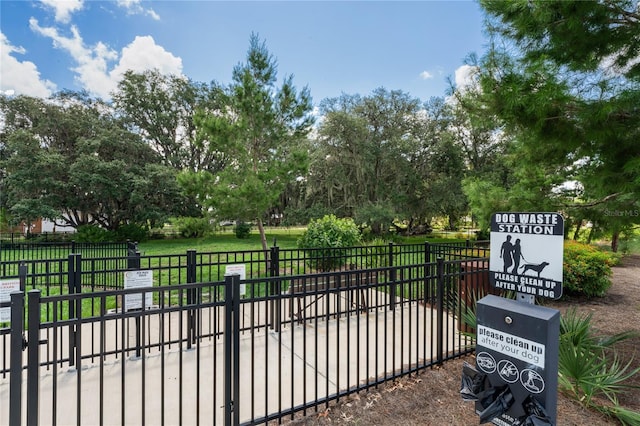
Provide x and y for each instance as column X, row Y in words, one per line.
column 517, row 350
column 526, row 253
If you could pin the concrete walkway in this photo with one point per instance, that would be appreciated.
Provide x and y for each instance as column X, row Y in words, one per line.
column 300, row 364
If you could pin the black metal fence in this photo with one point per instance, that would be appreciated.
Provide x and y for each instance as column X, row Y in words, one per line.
column 33, row 250
column 92, row 268
column 284, row 340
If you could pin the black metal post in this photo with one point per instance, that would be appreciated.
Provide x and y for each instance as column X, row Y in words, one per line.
column 74, row 286
column 428, row 273
column 274, row 271
column 191, row 298
column 231, row 349
column 392, row 279
column 22, row 273
column 277, row 284
column 33, row 358
column 15, row 375
column 440, row 311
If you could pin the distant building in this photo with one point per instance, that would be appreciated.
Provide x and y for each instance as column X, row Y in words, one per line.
column 41, row 226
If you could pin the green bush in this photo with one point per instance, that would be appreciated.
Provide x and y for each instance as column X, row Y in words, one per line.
column 586, row 270
column 242, row 230
column 132, row 232
column 326, row 240
column 93, row 234
column 192, row 227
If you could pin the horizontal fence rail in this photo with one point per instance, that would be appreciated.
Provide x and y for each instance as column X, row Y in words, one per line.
column 199, row 346
column 29, row 250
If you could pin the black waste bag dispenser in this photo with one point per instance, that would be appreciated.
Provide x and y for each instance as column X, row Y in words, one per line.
column 515, row 379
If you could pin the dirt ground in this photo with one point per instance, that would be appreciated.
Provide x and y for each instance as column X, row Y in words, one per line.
column 432, row 397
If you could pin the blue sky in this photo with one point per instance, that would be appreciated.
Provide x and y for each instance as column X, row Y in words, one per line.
column 330, row 46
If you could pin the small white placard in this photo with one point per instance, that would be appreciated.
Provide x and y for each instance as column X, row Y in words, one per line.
column 6, row 288
column 511, row 345
column 238, row 269
column 137, row 279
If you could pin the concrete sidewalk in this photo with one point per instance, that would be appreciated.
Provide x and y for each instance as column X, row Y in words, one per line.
column 300, row 364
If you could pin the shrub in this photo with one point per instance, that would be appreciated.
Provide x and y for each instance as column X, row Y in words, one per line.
column 242, row 230
column 93, row 234
column 326, row 240
column 590, row 371
column 132, row 232
column 586, row 270
column 192, row 227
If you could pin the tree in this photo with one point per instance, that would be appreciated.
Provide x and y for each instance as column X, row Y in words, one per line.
column 161, row 108
column 385, row 157
column 260, row 127
column 566, row 84
column 69, row 159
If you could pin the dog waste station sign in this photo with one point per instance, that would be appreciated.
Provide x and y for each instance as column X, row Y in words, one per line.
column 515, row 379
column 526, row 253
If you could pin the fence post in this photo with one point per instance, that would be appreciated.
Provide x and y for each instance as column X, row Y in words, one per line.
column 74, row 286
column 440, row 310
column 428, row 273
column 275, row 288
column 33, row 358
column 392, row 279
column 231, row 349
column 191, row 298
column 22, row 274
column 133, row 258
column 15, row 371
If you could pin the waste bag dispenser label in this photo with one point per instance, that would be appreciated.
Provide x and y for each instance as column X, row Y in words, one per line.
column 517, row 355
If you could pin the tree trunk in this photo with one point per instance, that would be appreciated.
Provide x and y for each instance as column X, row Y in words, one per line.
column 263, row 241
column 614, row 241
column 577, row 233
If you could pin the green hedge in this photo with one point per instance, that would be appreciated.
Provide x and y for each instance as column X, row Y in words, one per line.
column 329, row 238
column 586, row 270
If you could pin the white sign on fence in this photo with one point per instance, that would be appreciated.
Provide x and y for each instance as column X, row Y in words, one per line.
column 138, row 279
column 6, row 288
column 238, row 269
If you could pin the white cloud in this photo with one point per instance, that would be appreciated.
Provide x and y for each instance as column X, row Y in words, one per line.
column 93, row 62
column 22, row 78
column 135, row 7
column 465, row 77
column 426, row 75
column 64, row 8
column 142, row 54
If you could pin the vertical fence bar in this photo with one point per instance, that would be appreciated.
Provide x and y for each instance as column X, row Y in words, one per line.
column 428, row 274
column 191, row 298
column 440, row 312
column 72, row 276
column 133, row 263
column 236, row 349
column 277, row 288
column 392, row 280
column 272, row 288
column 15, row 375
column 33, row 358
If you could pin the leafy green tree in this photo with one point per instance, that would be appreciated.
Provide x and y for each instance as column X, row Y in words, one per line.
column 261, row 127
column 565, row 84
column 358, row 167
column 161, row 108
column 69, row 159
